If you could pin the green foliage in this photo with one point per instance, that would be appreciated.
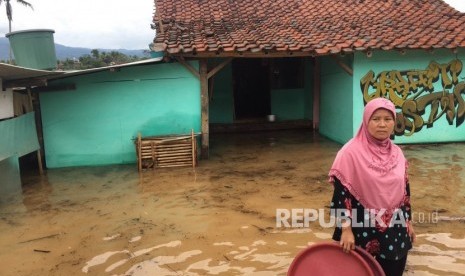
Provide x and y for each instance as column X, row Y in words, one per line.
column 96, row 59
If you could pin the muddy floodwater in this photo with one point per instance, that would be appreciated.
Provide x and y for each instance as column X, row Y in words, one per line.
column 216, row 219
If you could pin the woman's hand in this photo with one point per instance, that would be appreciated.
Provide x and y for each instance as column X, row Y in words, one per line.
column 411, row 232
column 347, row 241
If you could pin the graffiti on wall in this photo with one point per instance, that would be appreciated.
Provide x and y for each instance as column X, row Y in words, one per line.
column 414, row 95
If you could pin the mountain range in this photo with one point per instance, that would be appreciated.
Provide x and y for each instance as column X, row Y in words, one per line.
column 63, row 52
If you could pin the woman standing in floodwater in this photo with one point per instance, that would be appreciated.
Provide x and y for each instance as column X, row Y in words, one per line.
column 371, row 197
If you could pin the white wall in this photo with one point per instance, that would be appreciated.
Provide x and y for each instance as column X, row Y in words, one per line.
column 6, row 102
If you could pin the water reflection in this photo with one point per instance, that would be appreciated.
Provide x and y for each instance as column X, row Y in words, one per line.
column 10, row 180
column 435, row 254
column 439, row 253
column 261, row 258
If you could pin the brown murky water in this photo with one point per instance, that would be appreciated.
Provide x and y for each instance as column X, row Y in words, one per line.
column 216, row 219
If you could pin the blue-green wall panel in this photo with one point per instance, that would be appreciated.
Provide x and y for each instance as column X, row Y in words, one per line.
column 335, row 101
column 96, row 123
column 221, row 109
column 18, row 136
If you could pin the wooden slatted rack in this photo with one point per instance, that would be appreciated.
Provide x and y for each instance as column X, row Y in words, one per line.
column 166, row 151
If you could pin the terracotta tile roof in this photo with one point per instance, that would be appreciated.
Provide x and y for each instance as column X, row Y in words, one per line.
column 313, row 27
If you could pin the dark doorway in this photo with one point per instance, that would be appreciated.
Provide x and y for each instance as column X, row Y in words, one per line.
column 251, row 88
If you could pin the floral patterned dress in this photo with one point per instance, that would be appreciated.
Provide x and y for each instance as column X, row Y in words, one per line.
column 389, row 241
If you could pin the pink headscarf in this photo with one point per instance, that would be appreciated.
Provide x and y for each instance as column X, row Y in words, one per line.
column 373, row 171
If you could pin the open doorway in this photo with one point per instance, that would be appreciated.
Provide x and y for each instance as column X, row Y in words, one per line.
column 251, row 89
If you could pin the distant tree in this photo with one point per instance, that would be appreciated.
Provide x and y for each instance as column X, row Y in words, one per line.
column 9, row 13
column 95, row 53
column 97, row 59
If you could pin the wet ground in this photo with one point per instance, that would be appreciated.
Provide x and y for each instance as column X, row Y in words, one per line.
column 216, row 219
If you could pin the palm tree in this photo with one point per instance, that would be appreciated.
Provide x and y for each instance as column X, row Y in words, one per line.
column 9, row 13
column 9, row 10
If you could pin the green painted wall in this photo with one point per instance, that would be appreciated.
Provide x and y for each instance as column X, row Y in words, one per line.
column 221, row 109
column 96, row 123
column 19, row 136
column 288, row 104
column 441, row 131
column 336, row 110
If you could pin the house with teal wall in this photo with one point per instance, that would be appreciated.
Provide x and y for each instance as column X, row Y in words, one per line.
column 93, row 118
column 295, row 60
column 322, row 61
column 96, row 122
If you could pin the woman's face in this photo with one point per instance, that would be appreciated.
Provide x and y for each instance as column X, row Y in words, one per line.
column 381, row 124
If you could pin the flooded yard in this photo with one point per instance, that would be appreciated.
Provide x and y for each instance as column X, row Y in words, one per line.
column 216, row 219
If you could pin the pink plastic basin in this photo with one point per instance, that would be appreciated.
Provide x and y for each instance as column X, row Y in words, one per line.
column 327, row 258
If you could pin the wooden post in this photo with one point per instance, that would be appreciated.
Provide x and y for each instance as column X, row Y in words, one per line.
column 193, row 148
column 39, row 161
column 316, row 94
column 29, row 96
column 154, row 153
column 204, row 108
column 39, row 154
column 139, row 151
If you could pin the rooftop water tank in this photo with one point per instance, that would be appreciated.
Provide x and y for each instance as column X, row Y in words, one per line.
column 34, row 48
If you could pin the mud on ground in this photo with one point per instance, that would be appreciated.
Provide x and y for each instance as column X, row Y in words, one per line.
column 216, row 219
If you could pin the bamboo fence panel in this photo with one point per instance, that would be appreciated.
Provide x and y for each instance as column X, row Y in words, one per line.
column 166, row 151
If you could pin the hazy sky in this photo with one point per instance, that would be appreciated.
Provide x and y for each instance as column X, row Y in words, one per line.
column 457, row 4
column 109, row 24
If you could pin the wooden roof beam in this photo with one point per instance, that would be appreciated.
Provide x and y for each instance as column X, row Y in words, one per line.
column 219, row 67
column 189, row 67
column 344, row 66
column 25, row 83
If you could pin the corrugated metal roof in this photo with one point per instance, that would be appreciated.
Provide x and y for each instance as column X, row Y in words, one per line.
column 22, row 76
column 10, row 72
column 92, row 70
